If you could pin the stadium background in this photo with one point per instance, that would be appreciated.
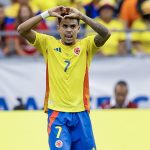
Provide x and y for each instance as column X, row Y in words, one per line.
column 120, row 129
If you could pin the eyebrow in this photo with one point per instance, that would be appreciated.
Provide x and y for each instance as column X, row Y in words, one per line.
column 69, row 24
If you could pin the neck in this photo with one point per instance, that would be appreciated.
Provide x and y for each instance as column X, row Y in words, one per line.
column 107, row 20
column 119, row 106
column 68, row 44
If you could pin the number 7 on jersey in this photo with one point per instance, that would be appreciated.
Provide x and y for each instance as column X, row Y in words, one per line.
column 67, row 65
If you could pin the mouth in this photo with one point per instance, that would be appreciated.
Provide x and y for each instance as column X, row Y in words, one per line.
column 68, row 36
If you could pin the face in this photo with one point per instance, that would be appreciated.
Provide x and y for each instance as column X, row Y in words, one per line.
column 2, row 14
column 25, row 13
column 120, row 94
column 68, row 29
column 106, row 13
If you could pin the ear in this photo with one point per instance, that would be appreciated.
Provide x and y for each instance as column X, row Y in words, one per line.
column 78, row 29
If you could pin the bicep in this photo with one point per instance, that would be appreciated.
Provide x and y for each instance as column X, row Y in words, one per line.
column 30, row 36
column 99, row 40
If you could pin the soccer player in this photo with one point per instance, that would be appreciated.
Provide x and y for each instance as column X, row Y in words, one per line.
column 68, row 60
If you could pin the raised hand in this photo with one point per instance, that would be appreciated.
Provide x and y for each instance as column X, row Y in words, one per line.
column 72, row 13
column 57, row 11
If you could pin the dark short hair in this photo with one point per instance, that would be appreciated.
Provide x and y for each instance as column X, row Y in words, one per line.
column 63, row 14
column 121, row 83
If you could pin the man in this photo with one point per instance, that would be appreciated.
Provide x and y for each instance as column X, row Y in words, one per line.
column 68, row 59
column 116, row 43
column 141, row 40
column 121, row 92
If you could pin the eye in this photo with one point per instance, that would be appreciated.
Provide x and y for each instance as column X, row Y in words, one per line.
column 73, row 26
column 65, row 26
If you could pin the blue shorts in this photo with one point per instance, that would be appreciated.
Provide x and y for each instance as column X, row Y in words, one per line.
column 70, row 131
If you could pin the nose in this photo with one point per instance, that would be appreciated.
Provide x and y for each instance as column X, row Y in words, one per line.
column 68, row 29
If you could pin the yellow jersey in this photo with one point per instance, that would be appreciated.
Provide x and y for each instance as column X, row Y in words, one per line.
column 67, row 72
column 142, row 37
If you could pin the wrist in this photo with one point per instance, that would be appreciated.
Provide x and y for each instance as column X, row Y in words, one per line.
column 45, row 14
column 81, row 16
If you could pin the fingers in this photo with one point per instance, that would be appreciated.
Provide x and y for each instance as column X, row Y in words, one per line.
column 68, row 10
column 61, row 8
column 57, row 15
column 70, row 16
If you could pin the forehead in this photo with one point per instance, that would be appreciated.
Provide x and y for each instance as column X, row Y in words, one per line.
column 24, row 8
column 121, row 88
column 69, row 21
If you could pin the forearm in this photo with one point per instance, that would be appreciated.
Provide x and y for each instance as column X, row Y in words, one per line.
column 97, row 27
column 29, row 24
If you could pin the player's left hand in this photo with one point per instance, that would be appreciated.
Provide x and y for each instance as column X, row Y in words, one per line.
column 73, row 13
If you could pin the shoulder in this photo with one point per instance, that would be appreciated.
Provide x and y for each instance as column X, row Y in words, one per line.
column 132, row 105
column 45, row 36
column 118, row 22
column 88, row 39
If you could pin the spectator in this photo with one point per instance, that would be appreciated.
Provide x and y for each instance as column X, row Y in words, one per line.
column 21, row 46
column 12, row 10
column 129, row 12
column 4, row 46
column 121, row 92
column 116, row 43
column 92, row 8
column 141, row 39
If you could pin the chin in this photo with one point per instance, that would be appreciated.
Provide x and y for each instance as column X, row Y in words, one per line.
column 69, row 42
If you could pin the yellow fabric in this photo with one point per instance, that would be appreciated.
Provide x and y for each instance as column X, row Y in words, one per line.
column 66, row 87
column 142, row 37
column 63, row 2
column 12, row 10
column 111, row 46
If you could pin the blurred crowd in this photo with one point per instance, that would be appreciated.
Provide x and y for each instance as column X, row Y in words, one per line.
column 128, row 20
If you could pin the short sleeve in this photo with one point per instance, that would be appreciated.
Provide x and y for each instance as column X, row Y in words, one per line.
column 41, row 43
column 91, row 47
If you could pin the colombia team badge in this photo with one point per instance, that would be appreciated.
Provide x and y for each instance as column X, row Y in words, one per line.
column 59, row 144
column 77, row 51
